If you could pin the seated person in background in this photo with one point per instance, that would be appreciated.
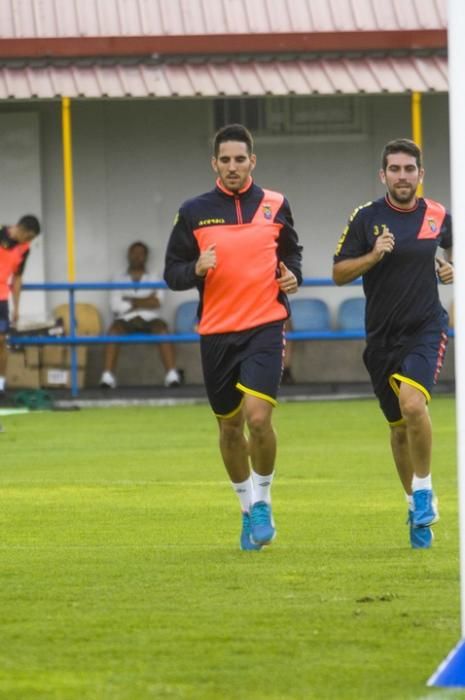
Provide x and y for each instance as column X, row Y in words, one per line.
column 137, row 311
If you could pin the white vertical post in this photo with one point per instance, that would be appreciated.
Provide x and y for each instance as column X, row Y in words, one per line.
column 456, row 23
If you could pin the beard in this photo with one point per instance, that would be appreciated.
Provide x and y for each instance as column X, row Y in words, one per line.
column 402, row 194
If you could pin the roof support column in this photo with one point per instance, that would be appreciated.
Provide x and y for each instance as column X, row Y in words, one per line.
column 417, row 128
column 69, row 217
column 68, row 185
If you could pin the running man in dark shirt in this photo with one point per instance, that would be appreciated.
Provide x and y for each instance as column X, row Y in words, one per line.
column 393, row 243
column 238, row 246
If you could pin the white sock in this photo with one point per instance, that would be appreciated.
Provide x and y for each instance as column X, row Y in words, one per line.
column 420, row 483
column 409, row 499
column 244, row 491
column 262, row 486
column 2, row 383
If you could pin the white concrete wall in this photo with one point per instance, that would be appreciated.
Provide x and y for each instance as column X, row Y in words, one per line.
column 136, row 161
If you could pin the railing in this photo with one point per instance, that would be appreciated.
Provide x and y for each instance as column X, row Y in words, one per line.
column 74, row 340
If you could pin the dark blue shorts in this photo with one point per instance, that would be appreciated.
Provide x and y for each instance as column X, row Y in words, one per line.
column 246, row 362
column 4, row 318
column 417, row 362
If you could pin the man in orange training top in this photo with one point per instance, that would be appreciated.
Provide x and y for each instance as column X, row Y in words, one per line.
column 238, row 246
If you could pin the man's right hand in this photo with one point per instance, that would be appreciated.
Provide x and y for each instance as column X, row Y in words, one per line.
column 384, row 244
column 349, row 269
column 206, row 261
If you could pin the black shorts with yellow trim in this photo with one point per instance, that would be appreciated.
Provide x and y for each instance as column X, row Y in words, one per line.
column 417, row 362
column 244, row 362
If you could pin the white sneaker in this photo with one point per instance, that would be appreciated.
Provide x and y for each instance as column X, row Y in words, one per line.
column 108, row 380
column 172, row 378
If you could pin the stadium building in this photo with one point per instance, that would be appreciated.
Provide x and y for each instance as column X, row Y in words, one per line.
column 322, row 85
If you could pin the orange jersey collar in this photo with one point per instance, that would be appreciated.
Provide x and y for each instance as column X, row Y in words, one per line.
column 246, row 187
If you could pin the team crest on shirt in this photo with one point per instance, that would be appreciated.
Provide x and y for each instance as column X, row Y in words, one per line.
column 433, row 225
column 267, row 213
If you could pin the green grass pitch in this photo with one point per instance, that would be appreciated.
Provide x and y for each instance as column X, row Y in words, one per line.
column 121, row 577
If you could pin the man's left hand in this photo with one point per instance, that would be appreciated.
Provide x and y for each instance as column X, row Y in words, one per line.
column 287, row 280
column 445, row 271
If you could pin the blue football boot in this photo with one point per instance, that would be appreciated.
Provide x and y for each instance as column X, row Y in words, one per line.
column 261, row 519
column 246, row 543
column 420, row 537
column 425, row 511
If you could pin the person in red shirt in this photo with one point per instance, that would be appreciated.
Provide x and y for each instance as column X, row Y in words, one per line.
column 237, row 245
column 14, row 250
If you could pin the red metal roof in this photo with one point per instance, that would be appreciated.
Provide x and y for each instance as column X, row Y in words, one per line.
column 282, row 43
column 210, row 79
column 190, row 48
column 93, row 18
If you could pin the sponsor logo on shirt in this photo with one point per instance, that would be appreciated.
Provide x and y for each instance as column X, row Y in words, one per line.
column 211, row 222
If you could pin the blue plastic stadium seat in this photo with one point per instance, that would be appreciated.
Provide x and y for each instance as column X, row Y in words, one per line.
column 351, row 314
column 185, row 320
column 310, row 315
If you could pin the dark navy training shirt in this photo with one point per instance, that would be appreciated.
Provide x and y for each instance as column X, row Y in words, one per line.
column 402, row 288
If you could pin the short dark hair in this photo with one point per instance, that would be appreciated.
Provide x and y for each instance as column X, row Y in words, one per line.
column 401, row 146
column 139, row 244
column 232, row 132
column 29, row 222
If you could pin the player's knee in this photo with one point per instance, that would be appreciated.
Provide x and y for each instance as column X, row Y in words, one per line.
column 258, row 423
column 231, row 431
column 413, row 406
